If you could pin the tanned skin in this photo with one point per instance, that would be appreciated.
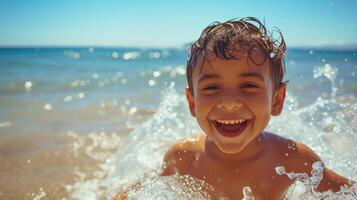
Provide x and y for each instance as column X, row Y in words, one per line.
column 228, row 177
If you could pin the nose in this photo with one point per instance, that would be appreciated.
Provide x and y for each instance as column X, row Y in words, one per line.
column 229, row 103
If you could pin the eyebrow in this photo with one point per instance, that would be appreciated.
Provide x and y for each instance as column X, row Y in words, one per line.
column 252, row 74
column 248, row 74
column 208, row 76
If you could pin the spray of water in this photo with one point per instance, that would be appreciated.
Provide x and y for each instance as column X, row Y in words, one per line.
column 308, row 185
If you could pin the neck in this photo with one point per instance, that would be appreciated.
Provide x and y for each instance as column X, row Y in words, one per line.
column 251, row 152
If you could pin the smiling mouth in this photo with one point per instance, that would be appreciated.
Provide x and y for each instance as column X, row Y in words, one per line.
column 231, row 128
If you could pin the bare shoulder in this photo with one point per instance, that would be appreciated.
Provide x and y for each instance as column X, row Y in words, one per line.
column 296, row 153
column 298, row 157
column 180, row 155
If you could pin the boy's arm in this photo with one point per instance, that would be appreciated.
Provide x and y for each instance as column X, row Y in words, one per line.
column 331, row 180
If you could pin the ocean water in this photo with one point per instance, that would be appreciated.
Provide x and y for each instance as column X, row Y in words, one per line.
column 82, row 123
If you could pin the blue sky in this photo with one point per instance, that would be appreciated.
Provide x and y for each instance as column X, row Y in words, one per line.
column 164, row 23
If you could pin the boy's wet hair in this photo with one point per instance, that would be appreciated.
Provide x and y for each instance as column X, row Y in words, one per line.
column 248, row 35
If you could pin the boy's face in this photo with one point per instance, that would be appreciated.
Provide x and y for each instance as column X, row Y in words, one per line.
column 233, row 100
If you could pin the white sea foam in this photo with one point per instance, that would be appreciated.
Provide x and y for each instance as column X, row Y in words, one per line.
column 132, row 55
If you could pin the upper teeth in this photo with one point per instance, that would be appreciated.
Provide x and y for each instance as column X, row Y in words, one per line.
column 230, row 121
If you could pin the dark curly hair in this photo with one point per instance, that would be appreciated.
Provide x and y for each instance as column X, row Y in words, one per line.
column 246, row 34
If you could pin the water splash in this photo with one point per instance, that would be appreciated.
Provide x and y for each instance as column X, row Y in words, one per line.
column 326, row 125
column 329, row 72
column 147, row 145
column 41, row 194
column 172, row 187
column 247, row 193
column 101, row 148
column 310, row 184
column 141, row 157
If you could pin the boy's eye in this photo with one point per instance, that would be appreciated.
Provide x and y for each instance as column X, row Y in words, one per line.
column 210, row 88
column 249, row 85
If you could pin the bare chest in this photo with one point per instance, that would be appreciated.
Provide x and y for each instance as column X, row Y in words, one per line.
column 229, row 180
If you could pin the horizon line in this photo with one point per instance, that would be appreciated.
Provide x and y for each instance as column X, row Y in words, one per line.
column 183, row 46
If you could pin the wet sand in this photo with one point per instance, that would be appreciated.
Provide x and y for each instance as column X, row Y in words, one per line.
column 46, row 152
column 34, row 165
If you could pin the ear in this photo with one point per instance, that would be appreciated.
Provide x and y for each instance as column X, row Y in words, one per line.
column 278, row 100
column 190, row 101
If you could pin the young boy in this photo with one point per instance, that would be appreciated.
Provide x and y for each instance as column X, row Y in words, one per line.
column 235, row 83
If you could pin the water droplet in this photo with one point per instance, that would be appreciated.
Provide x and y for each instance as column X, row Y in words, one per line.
column 28, row 85
column 115, row 55
column 197, row 156
column 81, row 95
column 68, row 98
column 132, row 110
column 47, row 106
column 272, row 55
column 151, row 82
column 156, row 74
column 280, row 170
column 95, row 76
column 247, row 193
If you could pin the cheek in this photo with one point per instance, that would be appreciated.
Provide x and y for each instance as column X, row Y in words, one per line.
column 259, row 103
column 203, row 107
column 260, row 106
column 204, row 103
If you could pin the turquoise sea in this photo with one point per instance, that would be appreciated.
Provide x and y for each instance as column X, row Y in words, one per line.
column 73, row 119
